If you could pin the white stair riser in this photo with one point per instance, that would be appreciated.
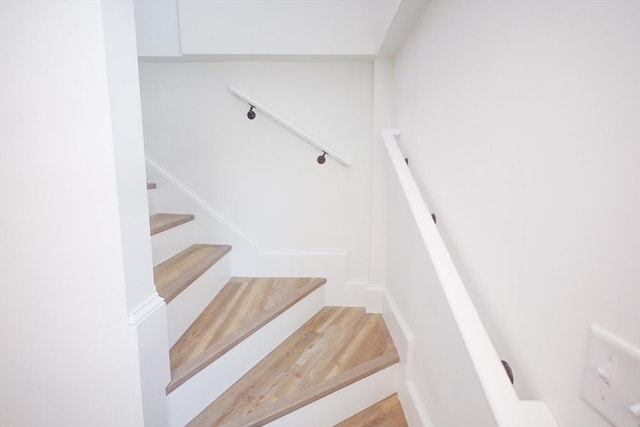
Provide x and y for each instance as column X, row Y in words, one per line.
column 343, row 403
column 187, row 306
column 188, row 400
column 166, row 244
column 152, row 197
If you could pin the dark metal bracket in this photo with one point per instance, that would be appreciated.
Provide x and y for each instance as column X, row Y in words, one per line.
column 508, row 369
column 251, row 114
column 322, row 158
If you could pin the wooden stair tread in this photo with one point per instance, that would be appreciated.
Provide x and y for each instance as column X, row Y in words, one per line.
column 151, row 186
column 163, row 221
column 242, row 306
column 386, row 413
column 175, row 274
column 335, row 348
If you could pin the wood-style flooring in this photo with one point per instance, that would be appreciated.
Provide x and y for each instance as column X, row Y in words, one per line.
column 242, row 307
column 386, row 413
column 175, row 274
column 338, row 346
column 164, row 221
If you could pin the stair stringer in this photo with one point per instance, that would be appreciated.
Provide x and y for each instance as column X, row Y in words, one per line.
column 249, row 258
column 189, row 399
column 403, row 338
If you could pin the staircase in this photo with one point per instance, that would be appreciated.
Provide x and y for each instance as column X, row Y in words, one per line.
column 251, row 351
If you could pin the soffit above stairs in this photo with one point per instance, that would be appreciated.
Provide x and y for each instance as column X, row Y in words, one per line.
column 349, row 29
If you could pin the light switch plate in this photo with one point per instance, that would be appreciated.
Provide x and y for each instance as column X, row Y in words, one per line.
column 611, row 383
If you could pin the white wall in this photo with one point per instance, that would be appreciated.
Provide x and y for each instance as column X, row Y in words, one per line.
column 256, row 174
column 256, row 27
column 69, row 357
column 520, row 122
column 157, row 27
column 382, row 119
column 438, row 364
column 147, row 311
column 126, row 122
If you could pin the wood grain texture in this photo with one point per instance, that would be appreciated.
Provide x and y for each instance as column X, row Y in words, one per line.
column 175, row 274
column 163, row 222
column 151, row 186
column 337, row 347
column 242, row 307
column 386, row 413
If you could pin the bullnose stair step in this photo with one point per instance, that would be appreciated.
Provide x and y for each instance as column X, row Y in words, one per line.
column 337, row 347
column 163, row 221
column 175, row 274
column 386, row 413
column 243, row 306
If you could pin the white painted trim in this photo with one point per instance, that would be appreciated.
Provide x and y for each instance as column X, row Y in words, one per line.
column 198, row 201
column 343, row 403
column 501, row 396
column 196, row 58
column 415, row 411
column 288, row 126
column 195, row 198
column 145, row 309
column 249, row 258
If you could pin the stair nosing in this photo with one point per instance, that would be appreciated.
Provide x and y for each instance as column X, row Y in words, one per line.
column 230, row 341
column 179, row 220
column 351, row 421
column 269, row 413
column 175, row 291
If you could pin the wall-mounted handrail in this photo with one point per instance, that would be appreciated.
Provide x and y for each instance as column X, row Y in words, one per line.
column 505, row 405
column 260, row 107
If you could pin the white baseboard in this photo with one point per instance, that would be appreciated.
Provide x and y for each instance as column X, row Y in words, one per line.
column 249, row 258
column 188, row 400
column 414, row 410
column 413, row 405
column 145, row 309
